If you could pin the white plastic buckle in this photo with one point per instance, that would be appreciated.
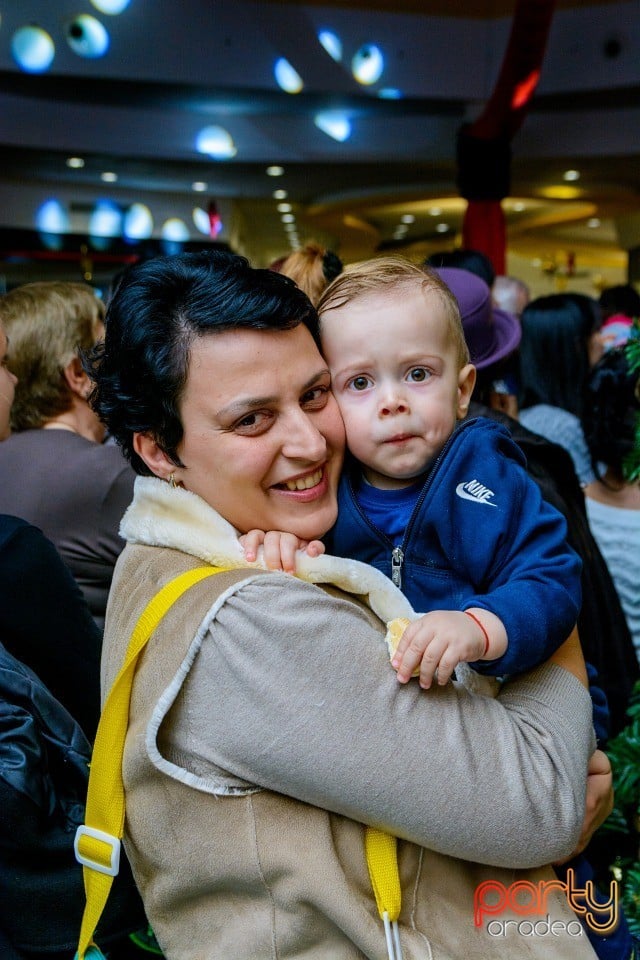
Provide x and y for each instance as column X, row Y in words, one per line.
column 114, row 863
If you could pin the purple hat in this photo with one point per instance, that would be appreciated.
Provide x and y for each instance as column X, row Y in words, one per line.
column 491, row 334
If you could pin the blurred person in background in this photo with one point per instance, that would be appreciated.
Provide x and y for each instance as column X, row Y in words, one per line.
column 510, row 294
column 611, row 413
column 619, row 305
column 560, row 342
column 312, row 268
column 55, row 470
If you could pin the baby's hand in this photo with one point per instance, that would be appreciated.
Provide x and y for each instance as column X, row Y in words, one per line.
column 440, row 640
column 279, row 548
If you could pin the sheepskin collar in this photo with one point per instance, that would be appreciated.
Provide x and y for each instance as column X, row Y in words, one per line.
column 162, row 516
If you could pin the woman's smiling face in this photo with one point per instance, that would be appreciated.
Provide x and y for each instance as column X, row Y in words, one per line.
column 263, row 438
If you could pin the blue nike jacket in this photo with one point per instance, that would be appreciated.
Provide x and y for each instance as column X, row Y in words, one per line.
column 480, row 535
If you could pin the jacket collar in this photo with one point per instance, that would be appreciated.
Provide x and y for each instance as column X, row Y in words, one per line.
column 162, row 516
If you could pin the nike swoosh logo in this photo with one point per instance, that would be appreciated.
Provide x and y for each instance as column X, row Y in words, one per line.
column 465, row 495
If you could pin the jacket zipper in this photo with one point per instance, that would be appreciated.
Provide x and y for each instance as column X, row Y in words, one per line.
column 397, row 553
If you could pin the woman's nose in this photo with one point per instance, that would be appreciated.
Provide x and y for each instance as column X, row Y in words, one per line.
column 303, row 440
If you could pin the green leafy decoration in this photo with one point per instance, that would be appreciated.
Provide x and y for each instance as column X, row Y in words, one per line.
column 631, row 465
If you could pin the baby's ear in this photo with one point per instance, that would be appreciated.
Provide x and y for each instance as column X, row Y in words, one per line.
column 466, row 383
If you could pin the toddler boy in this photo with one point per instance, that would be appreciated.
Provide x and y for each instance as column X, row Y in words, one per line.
column 443, row 507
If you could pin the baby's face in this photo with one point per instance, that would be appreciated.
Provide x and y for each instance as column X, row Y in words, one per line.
column 396, row 377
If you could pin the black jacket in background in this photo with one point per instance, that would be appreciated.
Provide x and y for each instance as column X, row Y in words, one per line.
column 44, row 768
column 45, row 621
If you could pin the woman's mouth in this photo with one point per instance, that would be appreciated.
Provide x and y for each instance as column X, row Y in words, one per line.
column 303, row 483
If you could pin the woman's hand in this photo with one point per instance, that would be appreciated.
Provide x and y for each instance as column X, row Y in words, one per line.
column 599, row 799
column 279, row 548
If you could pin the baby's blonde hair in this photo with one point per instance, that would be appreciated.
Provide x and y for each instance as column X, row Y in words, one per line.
column 386, row 274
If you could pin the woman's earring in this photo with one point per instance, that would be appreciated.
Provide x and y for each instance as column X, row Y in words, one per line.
column 172, row 481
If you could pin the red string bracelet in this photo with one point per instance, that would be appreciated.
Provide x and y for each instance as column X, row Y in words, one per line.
column 482, row 627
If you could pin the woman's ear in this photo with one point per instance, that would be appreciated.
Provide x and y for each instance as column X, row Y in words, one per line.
column 153, row 455
column 466, row 383
column 77, row 380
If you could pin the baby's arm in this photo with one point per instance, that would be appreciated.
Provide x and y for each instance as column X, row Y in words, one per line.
column 279, row 548
column 440, row 640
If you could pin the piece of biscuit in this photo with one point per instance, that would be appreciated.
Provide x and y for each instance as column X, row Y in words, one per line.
column 395, row 629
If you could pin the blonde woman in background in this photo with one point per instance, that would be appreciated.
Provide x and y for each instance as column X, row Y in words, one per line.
column 55, row 470
column 312, row 268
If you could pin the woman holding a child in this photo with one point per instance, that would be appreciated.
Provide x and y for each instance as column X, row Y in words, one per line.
column 267, row 728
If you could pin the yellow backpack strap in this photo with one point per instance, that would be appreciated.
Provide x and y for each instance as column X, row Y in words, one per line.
column 382, row 861
column 97, row 842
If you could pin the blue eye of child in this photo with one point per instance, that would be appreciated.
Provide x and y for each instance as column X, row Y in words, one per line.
column 418, row 374
column 360, row 383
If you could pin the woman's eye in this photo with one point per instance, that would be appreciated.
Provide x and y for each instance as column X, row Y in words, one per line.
column 315, row 398
column 253, row 422
column 359, row 383
column 418, row 374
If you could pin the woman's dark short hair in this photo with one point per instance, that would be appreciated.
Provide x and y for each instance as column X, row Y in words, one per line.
column 158, row 309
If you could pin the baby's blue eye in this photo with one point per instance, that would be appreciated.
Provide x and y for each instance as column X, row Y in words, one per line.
column 418, row 374
column 360, row 383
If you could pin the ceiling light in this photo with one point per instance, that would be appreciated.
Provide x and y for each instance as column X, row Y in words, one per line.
column 199, row 186
column 594, row 222
column 290, row 227
column 32, row 49
column 280, row 194
column 288, row 218
column 106, row 219
column 138, row 222
column 561, row 191
column 175, row 229
column 284, row 208
column 407, row 218
column 570, row 175
column 111, row 7
column 332, row 44
column 334, row 123
column 442, row 228
column 208, row 223
column 109, row 176
column 275, row 171
column 368, row 64
column 216, row 142
column 76, row 163
column 87, row 37
column 287, row 77
column 201, row 220
column 435, row 211
column 51, row 217
column 519, row 206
